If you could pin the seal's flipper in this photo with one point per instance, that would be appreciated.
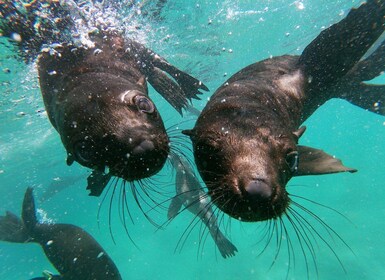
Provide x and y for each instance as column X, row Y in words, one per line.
column 225, row 247
column 97, row 181
column 176, row 91
column 368, row 97
column 189, row 84
column 353, row 88
column 28, row 213
column 370, row 67
column 174, row 207
column 12, row 229
column 316, row 162
column 171, row 91
column 338, row 48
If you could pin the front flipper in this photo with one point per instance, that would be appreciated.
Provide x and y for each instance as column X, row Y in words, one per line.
column 97, row 181
column 178, row 90
column 316, row 162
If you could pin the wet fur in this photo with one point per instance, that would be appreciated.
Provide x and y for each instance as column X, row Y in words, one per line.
column 72, row 251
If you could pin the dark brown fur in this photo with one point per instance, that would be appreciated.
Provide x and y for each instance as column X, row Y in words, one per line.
column 245, row 140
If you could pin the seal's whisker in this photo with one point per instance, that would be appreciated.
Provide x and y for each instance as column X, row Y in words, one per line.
column 181, row 149
column 303, row 243
column 208, row 224
column 186, row 233
column 270, row 233
column 327, row 228
column 289, row 246
column 175, row 127
column 138, row 198
column 194, row 222
column 110, row 212
column 297, row 218
column 124, row 208
column 113, row 182
column 332, row 233
column 322, row 205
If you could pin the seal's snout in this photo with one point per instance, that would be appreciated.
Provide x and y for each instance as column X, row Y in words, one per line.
column 144, row 147
column 257, row 189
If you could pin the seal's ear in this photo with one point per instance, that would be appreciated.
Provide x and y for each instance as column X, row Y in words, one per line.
column 316, row 162
column 70, row 159
column 141, row 81
column 189, row 132
column 298, row 133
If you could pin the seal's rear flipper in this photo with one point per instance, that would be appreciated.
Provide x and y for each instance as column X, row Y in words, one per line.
column 97, row 181
column 368, row 97
column 338, row 48
column 316, row 162
column 353, row 88
column 28, row 213
column 12, row 229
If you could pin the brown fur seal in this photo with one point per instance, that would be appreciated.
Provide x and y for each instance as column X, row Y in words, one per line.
column 190, row 193
column 97, row 97
column 245, row 140
column 72, row 251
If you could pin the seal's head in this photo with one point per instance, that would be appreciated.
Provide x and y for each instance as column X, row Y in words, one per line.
column 246, row 161
column 246, row 171
column 114, row 125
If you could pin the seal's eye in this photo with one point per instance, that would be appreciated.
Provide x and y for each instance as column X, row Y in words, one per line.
column 83, row 152
column 144, row 104
column 292, row 160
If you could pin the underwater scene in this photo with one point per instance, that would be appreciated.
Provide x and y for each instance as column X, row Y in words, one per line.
column 155, row 213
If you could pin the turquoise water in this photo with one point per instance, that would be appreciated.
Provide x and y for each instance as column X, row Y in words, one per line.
column 210, row 40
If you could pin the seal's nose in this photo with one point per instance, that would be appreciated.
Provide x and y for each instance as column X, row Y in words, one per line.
column 143, row 147
column 258, row 189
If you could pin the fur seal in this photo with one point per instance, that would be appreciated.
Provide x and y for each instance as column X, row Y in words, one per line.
column 245, row 141
column 190, row 193
column 72, row 251
column 97, row 97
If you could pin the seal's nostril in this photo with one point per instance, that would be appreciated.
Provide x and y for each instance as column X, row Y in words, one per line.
column 258, row 189
column 143, row 147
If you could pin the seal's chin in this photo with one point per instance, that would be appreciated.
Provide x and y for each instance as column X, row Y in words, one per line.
column 143, row 161
column 256, row 201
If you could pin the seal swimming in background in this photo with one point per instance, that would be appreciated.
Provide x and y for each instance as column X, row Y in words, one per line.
column 190, row 193
column 72, row 251
column 245, row 141
column 96, row 97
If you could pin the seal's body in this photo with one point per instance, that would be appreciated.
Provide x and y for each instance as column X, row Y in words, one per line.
column 191, row 195
column 96, row 95
column 72, row 251
column 245, row 140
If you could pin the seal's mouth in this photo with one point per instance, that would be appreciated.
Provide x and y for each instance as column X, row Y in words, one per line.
column 251, row 202
column 144, row 160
